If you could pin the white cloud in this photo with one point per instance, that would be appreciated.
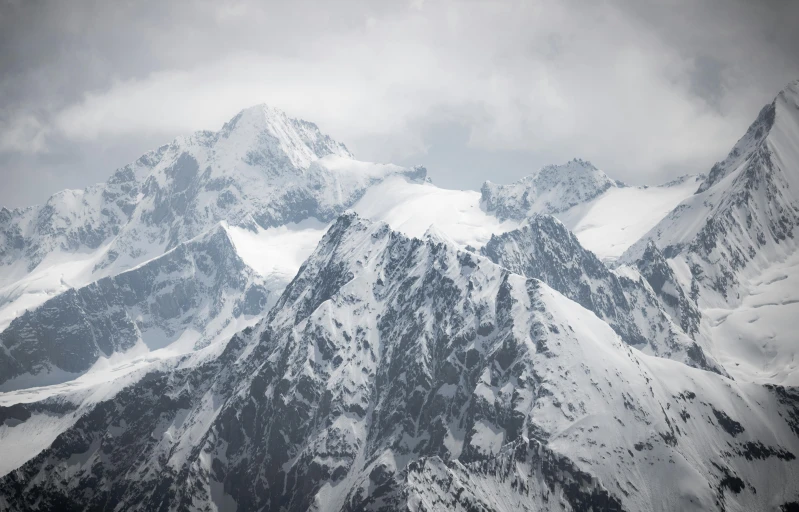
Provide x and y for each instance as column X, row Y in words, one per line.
column 554, row 77
column 22, row 132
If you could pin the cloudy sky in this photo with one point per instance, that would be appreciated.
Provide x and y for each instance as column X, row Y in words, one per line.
column 474, row 90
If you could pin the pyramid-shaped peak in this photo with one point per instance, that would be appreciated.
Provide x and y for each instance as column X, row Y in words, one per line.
column 551, row 189
column 271, row 129
column 575, row 164
column 575, row 168
column 784, row 108
column 790, row 91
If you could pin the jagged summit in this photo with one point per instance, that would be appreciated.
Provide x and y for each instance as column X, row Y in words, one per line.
column 743, row 217
column 301, row 141
column 552, row 189
column 236, row 337
column 394, row 372
column 262, row 170
column 542, row 248
column 262, row 166
column 782, row 108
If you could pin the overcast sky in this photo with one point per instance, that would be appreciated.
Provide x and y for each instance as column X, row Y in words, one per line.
column 473, row 90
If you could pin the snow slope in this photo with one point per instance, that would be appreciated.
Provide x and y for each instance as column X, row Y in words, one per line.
column 732, row 247
column 758, row 340
column 606, row 215
column 400, row 368
column 413, row 207
column 50, row 410
column 612, row 222
column 398, row 373
column 544, row 249
column 742, row 218
column 607, row 223
column 261, row 170
column 194, row 295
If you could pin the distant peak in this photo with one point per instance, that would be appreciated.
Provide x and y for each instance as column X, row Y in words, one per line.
column 679, row 180
column 551, row 189
column 419, row 174
column 271, row 129
column 792, row 89
column 575, row 164
column 785, row 104
column 258, row 116
column 262, row 109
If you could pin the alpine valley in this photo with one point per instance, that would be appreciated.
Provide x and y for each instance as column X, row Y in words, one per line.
column 254, row 320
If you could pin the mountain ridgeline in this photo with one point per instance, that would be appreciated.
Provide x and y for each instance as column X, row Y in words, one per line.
column 215, row 328
column 389, row 363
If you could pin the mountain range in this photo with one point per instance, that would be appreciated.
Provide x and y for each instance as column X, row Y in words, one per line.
column 253, row 319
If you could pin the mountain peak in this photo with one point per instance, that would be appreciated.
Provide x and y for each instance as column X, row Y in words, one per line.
column 551, row 189
column 790, row 91
column 301, row 141
column 744, row 216
column 743, row 149
column 785, row 104
column 573, row 165
column 542, row 248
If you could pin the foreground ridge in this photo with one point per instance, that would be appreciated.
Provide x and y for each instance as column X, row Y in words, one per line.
column 398, row 373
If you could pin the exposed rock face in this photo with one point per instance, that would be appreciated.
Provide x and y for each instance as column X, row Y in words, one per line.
column 544, row 249
column 393, row 373
column 553, row 189
column 261, row 169
column 743, row 217
column 752, row 139
column 198, row 290
column 660, row 276
column 397, row 373
column 70, row 220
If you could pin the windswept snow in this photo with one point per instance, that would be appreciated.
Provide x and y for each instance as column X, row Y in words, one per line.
column 277, row 253
column 606, row 225
column 413, row 207
column 758, row 341
column 612, row 222
column 211, row 329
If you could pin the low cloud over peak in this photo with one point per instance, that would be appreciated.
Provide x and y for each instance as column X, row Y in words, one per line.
column 473, row 90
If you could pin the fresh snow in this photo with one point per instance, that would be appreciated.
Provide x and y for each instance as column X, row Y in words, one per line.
column 606, row 225
column 277, row 253
column 413, row 207
column 612, row 222
column 758, row 340
column 733, row 246
column 394, row 368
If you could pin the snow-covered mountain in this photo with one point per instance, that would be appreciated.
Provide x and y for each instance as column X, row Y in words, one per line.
column 261, row 170
column 552, row 189
column 743, row 216
column 732, row 248
column 544, row 249
column 398, row 373
column 664, row 282
column 606, row 215
column 211, row 330
column 195, row 294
